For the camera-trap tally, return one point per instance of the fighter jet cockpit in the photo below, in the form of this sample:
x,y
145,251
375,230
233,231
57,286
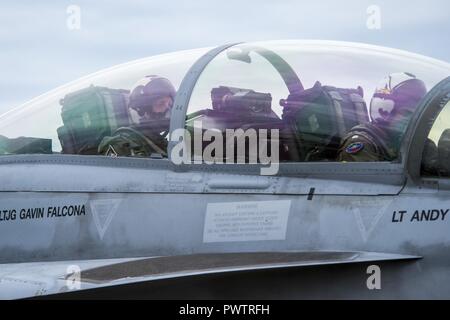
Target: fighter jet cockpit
x,y
260,89
74,118
295,159
318,96
313,93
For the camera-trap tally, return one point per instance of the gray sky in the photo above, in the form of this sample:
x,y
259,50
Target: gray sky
x,y
39,52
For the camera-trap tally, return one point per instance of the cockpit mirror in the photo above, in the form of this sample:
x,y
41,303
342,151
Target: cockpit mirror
x,y
239,54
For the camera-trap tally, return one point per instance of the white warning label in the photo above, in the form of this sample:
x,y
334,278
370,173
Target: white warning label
x,y
246,221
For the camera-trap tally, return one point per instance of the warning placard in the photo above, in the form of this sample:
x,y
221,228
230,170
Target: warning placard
x,y
246,221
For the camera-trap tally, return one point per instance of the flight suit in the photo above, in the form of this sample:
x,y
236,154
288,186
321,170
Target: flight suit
x,y
133,142
367,142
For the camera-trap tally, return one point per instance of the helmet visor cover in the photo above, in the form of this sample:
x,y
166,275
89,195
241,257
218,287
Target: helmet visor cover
x,y
398,93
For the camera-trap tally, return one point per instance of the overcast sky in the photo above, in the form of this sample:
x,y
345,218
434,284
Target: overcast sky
x,y
39,51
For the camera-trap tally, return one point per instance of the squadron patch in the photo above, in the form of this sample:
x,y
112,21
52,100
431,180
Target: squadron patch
x,y
354,147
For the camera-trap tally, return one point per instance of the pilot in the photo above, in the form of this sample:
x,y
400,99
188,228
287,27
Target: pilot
x,y
150,105
152,98
391,108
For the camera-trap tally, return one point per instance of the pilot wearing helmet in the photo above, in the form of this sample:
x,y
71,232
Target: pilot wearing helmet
x,y
391,108
150,105
152,99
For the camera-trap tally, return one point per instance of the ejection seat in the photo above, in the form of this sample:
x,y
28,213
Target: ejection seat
x,y
238,108
89,115
320,117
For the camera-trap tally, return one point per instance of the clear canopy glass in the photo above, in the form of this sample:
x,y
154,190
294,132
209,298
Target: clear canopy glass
x,y
41,117
313,91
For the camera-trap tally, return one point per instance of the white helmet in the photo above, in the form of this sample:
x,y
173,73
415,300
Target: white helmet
x,y
399,93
